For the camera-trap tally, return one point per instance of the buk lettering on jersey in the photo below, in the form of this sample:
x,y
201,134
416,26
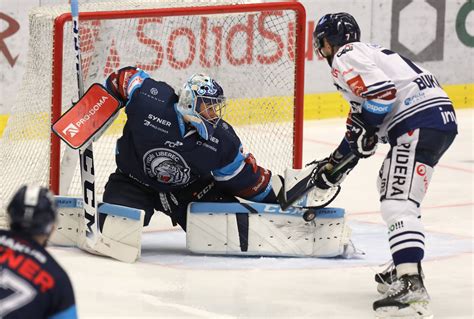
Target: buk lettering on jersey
x,y
406,95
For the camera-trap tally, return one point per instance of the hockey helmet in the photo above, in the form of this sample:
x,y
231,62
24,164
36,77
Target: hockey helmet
x,y
32,210
202,103
338,29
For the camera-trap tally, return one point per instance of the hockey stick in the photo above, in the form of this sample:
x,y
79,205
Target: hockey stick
x,y
89,225
298,186
69,159
86,157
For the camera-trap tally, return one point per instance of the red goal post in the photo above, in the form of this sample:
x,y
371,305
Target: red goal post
x,y
255,51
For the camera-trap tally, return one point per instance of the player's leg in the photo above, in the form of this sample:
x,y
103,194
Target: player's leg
x,y
403,182
122,190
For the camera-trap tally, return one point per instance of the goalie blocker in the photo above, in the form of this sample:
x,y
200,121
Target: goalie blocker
x,y
88,118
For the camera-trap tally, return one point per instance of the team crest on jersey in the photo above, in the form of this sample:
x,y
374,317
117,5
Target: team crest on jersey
x,y
166,166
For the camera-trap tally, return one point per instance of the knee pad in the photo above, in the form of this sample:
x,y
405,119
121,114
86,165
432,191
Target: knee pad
x,y
393,210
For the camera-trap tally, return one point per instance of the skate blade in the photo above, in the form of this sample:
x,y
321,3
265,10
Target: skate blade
x,y
419,310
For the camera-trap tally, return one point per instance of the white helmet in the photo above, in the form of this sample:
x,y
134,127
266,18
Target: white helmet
x,y
202,103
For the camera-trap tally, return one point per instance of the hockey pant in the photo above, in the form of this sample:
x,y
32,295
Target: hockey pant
x,y
403,181
122,190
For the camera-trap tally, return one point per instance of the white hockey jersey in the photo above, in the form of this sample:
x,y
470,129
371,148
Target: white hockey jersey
x,y
392,93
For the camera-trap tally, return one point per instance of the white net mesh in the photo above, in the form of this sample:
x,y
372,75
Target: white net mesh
x,y
251,54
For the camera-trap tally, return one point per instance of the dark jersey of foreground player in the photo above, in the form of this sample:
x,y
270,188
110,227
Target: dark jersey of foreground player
x,y
32,284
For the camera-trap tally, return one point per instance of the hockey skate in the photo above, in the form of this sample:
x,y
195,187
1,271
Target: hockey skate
x,y
385,278
406,298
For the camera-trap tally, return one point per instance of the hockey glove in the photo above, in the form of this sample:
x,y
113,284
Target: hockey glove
x,y
362,138
325,178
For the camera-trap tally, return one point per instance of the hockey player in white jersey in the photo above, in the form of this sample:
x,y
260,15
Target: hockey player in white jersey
x,y
395,101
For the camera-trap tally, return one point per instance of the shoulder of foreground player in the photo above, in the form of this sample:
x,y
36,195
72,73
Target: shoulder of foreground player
x,y
355,53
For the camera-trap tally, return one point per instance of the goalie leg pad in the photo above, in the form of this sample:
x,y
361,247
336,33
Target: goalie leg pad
x,y
123,226
120,237
67,230
257,229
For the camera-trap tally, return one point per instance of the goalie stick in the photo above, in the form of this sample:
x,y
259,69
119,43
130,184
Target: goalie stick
x,y
86,157
300,185
70,158
93,240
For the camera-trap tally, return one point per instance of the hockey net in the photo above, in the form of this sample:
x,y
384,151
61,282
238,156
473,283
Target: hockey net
x,y
255,51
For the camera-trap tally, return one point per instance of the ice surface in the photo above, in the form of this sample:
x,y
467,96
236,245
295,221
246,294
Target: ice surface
x,y
168,282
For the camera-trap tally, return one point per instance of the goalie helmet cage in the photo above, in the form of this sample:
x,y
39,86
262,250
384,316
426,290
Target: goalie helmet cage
x,y
255,51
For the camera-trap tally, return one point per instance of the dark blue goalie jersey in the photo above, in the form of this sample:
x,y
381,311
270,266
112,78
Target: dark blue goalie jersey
x,y
32,284
159,150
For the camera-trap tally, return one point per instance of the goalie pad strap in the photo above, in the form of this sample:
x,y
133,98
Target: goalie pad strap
x,y
264,230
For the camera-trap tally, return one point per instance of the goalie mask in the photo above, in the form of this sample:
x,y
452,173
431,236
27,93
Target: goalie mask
x,y
337,28
32,210
202,103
